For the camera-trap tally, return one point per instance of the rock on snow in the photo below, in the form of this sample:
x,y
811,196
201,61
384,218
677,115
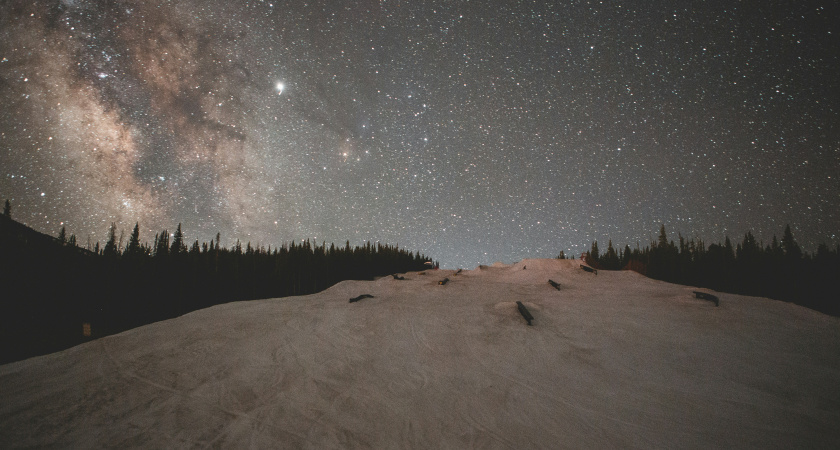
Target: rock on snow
x,y
614,360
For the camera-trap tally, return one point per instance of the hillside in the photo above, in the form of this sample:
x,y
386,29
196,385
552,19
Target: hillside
x,y
612,360
52,288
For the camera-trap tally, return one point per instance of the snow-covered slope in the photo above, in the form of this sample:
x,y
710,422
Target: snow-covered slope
x,y
612,360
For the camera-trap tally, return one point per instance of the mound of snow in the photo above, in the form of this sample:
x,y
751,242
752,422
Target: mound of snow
x,y
612,360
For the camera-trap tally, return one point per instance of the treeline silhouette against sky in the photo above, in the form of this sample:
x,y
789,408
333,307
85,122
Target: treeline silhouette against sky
x,y
55,291
779,270
57,294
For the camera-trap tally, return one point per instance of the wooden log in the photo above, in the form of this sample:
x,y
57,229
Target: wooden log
x,y
589,269
443,281
554,284
706,296
458,271
524,311
356,299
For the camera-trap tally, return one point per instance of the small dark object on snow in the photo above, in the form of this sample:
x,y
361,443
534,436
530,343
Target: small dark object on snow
x,y
708,297
443,281
524,267
589,269
554,284
524,311
458,271
397,277
356,299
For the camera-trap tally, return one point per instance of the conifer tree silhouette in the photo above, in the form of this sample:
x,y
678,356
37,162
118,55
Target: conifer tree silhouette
x,y
789,245
610,260
133,247
111,249
178,246
593,253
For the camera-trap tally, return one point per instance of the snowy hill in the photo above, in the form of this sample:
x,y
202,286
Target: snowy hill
x,y
612,360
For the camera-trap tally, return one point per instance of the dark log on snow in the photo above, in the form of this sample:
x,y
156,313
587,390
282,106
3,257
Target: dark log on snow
x,y
708,297
443,281
458,271
589,269
554,284
524,311
356,299
397,277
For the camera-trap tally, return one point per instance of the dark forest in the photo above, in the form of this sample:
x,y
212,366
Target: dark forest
x,y
56,294
779,270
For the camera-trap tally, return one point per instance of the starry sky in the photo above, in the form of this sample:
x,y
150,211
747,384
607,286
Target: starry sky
x,y
472,131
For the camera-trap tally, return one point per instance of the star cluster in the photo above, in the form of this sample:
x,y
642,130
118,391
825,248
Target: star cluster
x,y
471,131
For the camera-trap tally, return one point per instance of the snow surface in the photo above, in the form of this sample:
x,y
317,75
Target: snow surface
x,y
612,360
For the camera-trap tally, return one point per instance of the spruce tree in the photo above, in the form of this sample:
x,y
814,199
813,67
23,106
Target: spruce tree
x,y
729,252
62,236
7,209
610,260
625,256
663,238
789,245
110,249
593,253
162,244
178,245
133,247
776,250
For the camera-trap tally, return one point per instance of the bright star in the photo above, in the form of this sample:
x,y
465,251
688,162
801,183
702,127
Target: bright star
x,y
280,87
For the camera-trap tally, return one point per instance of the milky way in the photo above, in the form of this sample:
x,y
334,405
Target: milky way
x,y
470,131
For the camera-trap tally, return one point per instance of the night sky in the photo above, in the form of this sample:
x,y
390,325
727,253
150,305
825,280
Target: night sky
x,y
472,131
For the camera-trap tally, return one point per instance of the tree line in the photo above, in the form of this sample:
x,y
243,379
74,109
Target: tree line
x,y
779,270
52,286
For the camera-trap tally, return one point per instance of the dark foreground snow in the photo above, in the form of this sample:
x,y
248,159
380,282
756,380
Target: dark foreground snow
x,y
612,360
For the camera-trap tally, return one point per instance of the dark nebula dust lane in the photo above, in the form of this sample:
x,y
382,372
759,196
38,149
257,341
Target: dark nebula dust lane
x,y
471,131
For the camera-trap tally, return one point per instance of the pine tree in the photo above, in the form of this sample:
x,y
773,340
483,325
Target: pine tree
x,y
7,209
593,253
133,247
178,245
776,250
110,249
162,244
729,252
62,236
610,260
789,245
663,238
625,256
